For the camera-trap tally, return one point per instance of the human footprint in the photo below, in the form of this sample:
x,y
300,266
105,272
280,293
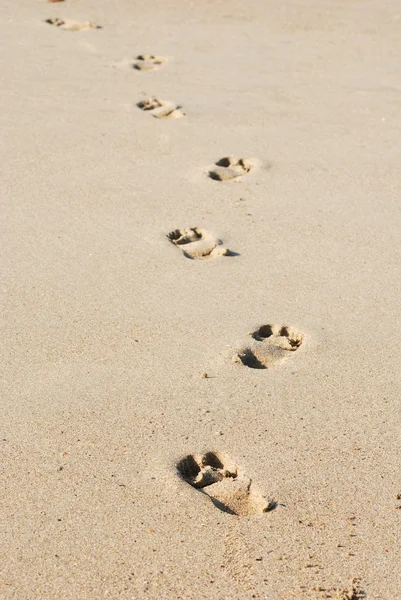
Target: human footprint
x,y
71,25
148,62
229,168
161,109
271,344
230,490
198,243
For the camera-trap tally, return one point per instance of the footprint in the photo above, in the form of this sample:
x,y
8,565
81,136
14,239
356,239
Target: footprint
x,y
229,168
198,243
70,25
218,477
271,344
161,109
148,62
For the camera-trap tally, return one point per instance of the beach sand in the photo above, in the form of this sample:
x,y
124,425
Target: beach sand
x,y
124,394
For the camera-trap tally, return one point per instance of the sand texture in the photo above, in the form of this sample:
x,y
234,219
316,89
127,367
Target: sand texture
x,y
200,357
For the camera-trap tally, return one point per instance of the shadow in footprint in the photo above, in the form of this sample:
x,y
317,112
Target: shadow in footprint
x,y
197,243
249,359
215,475
271,344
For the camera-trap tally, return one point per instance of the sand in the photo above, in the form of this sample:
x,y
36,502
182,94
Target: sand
x,y
119,347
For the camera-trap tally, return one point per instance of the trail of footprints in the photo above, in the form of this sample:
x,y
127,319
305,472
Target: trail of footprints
x,y
214,474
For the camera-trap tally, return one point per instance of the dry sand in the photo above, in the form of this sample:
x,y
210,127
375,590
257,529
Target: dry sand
x,y
117,349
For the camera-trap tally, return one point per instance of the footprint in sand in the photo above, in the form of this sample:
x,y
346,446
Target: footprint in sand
x,y
229,168
229,489
148,62
70,25
270,345
161,109
198,243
